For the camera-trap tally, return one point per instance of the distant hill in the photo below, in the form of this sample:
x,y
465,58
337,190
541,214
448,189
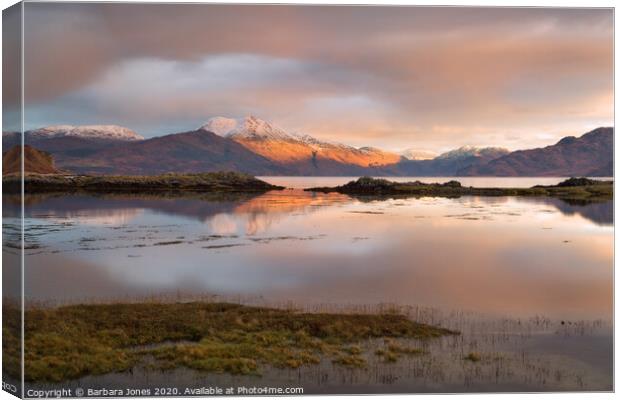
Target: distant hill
x,y
93,132
193,151
465,152
588,155
70,144
418,155
448,163
35,161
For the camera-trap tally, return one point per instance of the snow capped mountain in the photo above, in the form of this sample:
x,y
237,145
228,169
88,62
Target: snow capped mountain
x,y
472,151
307,139
418,155
250,127
274,143
221,126
101,132
258,129
370,150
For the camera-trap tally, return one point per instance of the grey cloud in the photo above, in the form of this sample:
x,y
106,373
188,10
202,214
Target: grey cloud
x,y
390,76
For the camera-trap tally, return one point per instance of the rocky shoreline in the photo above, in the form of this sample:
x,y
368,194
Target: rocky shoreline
x,y
570,189
217,182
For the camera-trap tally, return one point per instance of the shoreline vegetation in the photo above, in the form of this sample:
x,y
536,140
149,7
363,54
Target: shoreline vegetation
x,y
69,342
219,182
572,189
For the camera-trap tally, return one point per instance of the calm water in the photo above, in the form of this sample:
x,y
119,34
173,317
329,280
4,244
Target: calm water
x,y
494,268
512,256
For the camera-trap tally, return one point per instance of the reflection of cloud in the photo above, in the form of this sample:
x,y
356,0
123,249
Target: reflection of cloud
x,y
222,224
118,216
258,223
499,270
504,265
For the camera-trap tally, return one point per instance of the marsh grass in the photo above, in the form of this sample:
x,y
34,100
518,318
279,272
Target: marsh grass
x,y
392,351
73,341
473,356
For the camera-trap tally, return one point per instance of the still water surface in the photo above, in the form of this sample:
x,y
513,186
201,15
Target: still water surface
x,y
503,255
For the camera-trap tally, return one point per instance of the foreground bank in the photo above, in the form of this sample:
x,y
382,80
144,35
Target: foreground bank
x,y
74,341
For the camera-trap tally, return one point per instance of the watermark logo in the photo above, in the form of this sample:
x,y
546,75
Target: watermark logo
x,y
9,387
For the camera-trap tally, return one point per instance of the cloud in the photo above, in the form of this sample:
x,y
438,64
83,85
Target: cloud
x,y
139,91
383,76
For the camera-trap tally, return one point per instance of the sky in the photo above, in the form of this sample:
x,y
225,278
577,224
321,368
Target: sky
x,y
391,77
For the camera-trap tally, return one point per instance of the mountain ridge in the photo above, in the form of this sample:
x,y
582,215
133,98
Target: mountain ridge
x,y
258,147
588,155
102,132
191,151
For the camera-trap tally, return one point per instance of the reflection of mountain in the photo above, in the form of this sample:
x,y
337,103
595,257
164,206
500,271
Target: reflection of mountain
x,y
597,212
65,206
600,213
262,211
287,201
259,211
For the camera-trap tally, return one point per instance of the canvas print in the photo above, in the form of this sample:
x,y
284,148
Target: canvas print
x,y
221,199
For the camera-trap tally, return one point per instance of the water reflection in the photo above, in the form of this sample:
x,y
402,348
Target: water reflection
x,y
119,208
601,213
502,255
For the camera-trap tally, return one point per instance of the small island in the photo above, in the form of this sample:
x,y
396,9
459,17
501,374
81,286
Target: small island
x,y
221,182
570,189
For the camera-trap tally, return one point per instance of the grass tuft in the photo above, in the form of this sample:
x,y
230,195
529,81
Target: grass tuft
x,y
474,357
74,341
392,351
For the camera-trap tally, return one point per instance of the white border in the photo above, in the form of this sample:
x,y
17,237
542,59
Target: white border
x,y
474,3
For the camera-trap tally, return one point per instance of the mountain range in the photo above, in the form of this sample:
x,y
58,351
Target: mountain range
x,y
588,155
258,147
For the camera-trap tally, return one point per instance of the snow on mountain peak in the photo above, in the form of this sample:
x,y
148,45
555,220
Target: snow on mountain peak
x,y
256,128
250,127
418,155
274,143
221,126
103,132
307,139
469,151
